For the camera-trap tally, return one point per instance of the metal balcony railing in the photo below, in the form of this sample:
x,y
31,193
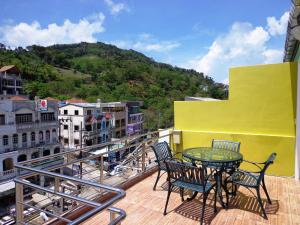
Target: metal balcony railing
x,y
92,170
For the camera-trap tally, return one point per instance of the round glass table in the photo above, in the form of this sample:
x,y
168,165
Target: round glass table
x,y
220,160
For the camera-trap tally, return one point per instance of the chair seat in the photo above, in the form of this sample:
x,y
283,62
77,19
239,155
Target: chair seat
x,y
244,178
193,187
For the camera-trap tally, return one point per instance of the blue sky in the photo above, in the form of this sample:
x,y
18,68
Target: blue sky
x,y
208,35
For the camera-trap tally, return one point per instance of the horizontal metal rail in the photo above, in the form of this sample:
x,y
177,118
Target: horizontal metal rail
x,y
98,206
93,147
143,140
92,156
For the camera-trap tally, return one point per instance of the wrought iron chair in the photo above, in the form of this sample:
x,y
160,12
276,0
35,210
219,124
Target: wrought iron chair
x,y
254,179
186,176
228,145
162,152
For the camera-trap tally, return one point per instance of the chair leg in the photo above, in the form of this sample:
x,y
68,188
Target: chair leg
x,y
215,203
158,175
168,197
266,192
203,207
181,194
261,204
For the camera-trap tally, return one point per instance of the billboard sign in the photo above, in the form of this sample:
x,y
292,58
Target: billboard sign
x,y
43,105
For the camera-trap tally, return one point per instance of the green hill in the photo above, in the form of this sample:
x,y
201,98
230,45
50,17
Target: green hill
x,y
98,70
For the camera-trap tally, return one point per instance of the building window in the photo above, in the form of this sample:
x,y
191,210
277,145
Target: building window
x,y
22,158
76,127
56,150
88,128
41,136
24,137
54,138
46,152
47,136
8,164
117,123
76,141
123,133
123,122
66,140
35,155
32,136
76,112
15,139
89,112
66,127
66,112
2,119
5,140
47,116
24,118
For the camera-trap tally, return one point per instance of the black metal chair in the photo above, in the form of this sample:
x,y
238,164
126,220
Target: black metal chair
x,y
186,176
228,145
253,179
162,152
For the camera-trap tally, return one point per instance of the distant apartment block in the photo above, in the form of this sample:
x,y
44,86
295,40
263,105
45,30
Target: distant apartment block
x,y
84,124
10,81
119,117
28,130
135,118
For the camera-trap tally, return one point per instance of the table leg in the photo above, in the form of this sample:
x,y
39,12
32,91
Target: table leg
x,y
218,177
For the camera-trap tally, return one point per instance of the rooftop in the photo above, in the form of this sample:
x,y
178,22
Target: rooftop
x,y
145,206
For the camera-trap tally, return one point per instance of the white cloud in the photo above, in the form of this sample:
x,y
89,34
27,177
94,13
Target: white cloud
x,y
243,44
278,27
147,43
272,55
116,8
24,34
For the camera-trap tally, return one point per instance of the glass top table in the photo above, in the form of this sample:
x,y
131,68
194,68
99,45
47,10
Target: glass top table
x,y
213,156
220,160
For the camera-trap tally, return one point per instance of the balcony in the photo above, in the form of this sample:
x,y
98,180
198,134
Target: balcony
x,y
36,125
142,205
145,206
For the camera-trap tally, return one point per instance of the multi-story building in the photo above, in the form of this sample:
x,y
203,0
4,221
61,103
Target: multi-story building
x,y
83,124
135,118
10,81
28,130
118,112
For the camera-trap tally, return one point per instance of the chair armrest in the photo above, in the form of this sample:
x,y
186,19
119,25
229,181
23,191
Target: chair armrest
x,y
248,172
254,163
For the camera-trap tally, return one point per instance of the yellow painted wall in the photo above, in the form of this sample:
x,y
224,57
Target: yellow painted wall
x,y
260,113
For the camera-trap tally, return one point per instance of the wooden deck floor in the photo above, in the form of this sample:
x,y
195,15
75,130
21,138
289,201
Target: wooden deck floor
x,y
145,206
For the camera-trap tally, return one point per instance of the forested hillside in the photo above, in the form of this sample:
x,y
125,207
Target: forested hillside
x,y
99,70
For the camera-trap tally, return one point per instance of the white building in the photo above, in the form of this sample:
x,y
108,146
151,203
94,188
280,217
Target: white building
x,y
27,131
83,124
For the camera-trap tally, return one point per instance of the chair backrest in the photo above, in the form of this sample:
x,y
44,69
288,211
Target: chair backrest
x,y
186,172
227,145
162,151
269,161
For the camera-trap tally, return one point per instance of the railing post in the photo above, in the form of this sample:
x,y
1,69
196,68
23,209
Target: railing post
x,y
143,157
112,216
56,188
101,169
19,205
